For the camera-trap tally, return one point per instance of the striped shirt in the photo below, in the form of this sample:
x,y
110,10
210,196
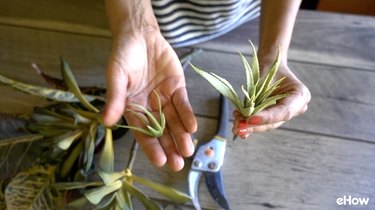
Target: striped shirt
x,y
188,22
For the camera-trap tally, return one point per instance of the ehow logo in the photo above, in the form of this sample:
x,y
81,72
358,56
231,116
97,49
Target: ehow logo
x,y
349,200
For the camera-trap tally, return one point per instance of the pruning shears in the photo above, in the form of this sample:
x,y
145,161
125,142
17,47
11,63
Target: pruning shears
x,y
208,161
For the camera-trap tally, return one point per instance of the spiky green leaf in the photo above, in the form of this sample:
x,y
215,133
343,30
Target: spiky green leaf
x,y
270,90
249,75
268,102
107,158
49,93
64,141
146,201
154,128
109,178
123,202
96,195
76,185
73,86
171,193
68,163
221,85
107,202
254,67
257,90
266,81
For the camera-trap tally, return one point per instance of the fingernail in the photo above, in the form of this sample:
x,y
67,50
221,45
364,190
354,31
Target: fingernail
x,y
255,120
242,132
242,124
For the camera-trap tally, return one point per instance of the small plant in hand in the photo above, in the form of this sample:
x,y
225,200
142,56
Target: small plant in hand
x,y
66,136
258,92
154,128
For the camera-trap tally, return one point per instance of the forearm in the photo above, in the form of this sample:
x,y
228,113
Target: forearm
x,y
130,16
276,27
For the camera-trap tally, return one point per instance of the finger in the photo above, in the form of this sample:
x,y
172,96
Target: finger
x,y
237,114
116,95
263,128
304,109
150,145
238,125
184,110
174,158
239,122
181,136
284,110
242,129
244,135
235,127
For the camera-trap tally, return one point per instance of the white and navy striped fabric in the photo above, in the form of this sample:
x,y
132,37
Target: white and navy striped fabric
x,y
188,22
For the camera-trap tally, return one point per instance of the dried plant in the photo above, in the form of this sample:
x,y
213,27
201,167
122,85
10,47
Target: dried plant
x,y
67,135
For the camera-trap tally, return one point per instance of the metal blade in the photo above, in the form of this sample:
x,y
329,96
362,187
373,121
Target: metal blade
x,y
193,183
216,188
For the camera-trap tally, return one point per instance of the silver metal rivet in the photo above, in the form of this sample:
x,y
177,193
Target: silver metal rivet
x,y
197,163
212,165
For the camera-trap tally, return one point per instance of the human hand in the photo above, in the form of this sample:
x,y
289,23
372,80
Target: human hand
x,y
274,116
138,65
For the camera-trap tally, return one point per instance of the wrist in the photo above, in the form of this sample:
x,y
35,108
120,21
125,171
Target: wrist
x,y
131,18
267,56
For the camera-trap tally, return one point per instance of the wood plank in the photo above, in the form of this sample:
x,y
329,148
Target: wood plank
x,y
324,116
52,25
342,83
55,14
284,169
22,47
361,7
319,37
342,98
336,91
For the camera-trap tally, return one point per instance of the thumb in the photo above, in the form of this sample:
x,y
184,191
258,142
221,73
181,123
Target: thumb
x,y
116,94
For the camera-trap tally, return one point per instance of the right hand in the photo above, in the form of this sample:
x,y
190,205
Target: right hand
x,y
140,63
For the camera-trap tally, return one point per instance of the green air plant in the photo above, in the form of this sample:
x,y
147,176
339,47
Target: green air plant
x,y
154,128
258,92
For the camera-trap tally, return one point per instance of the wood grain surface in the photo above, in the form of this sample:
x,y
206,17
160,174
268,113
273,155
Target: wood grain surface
x,y
318,37
281,168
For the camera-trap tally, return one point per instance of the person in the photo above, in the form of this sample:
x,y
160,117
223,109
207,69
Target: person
x,y
143,59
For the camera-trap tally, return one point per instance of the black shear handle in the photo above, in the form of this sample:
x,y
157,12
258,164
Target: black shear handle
x,y
224,117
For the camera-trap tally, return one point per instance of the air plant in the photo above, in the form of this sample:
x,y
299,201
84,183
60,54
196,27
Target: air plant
x,y
154,128
258,92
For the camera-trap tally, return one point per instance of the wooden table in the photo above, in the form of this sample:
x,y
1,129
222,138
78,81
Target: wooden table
x,y
308,163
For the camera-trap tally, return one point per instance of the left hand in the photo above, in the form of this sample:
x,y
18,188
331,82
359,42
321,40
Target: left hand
x,y
274,116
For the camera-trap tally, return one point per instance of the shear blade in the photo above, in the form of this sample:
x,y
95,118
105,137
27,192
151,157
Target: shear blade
x,y
193,182
216,188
